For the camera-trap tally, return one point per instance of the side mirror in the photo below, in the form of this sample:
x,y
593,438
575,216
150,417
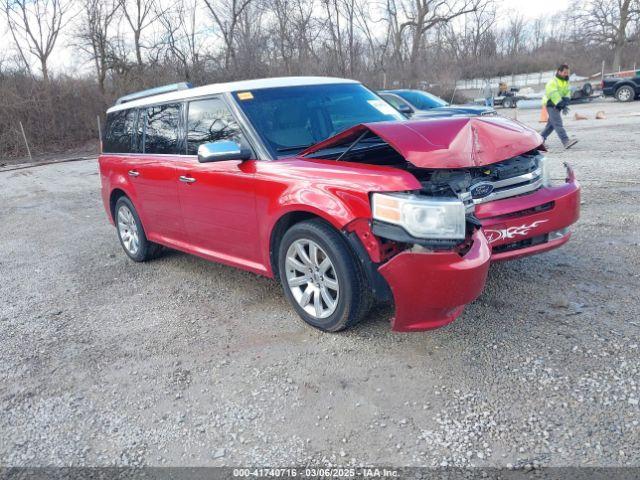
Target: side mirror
x,y
405,110
222,150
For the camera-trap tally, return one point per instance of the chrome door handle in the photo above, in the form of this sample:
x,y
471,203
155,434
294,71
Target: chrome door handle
x,y
134,173
186,179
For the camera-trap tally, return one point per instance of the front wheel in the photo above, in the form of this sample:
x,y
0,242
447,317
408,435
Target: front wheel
x,y
625,93
321,278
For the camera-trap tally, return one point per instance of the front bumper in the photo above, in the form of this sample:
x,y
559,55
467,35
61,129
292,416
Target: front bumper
x,y
533,223
431,289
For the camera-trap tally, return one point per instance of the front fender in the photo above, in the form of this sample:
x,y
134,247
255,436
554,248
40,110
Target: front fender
x,y
338,208
337,192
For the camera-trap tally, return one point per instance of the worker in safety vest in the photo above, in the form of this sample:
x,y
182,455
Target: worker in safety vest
x,y
556,99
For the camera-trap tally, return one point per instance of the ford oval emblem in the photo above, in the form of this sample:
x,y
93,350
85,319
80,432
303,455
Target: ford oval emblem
x,y
481,190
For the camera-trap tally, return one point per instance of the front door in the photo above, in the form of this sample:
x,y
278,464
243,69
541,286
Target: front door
x,y
218,198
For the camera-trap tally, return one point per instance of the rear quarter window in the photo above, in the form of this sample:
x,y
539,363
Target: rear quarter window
x,y
120,131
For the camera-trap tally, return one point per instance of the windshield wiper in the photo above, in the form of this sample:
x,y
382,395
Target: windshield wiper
x,y
296,147
360,138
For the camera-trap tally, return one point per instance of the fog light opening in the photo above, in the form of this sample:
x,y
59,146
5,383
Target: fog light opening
x,y
558,233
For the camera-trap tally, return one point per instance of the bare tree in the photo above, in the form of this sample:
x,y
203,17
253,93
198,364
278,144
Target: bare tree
x,y
294,30
283,32
340,27
251,40
515,35
35,27
608,21
418,18
377,46
139,15
539,32
226,15
180,37
472,41
93,35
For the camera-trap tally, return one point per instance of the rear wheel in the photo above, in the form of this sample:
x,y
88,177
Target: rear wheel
x,y
625,93
321,278
131,233
508,102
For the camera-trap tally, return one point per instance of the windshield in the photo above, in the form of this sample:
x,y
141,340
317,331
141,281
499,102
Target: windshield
x,y
421,100
290,119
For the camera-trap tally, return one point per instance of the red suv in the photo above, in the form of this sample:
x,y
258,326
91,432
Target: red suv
x,y
322,184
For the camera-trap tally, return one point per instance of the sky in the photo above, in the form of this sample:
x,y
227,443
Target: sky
x,y
535,8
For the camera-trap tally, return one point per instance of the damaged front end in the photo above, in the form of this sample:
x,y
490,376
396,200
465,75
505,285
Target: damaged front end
x,y
429,244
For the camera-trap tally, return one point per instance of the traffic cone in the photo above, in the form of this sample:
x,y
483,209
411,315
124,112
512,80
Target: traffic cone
x,y
544,115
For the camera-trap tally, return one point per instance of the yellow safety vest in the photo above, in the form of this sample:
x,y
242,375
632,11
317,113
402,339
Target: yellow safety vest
x,y
555,90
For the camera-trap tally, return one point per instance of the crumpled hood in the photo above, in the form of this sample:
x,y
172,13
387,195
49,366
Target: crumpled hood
x,y
456,142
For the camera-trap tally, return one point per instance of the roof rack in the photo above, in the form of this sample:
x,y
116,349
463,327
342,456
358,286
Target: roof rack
x,y
174,87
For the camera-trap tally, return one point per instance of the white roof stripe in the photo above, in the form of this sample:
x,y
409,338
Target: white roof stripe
x,y
216,88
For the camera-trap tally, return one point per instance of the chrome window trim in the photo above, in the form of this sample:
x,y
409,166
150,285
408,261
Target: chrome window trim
x,y
227,99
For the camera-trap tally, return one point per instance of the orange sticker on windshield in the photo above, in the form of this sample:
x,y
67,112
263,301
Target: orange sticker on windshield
x,y
245,96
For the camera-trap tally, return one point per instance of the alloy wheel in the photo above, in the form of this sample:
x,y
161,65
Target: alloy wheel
x,y
624,94
128,230
312,278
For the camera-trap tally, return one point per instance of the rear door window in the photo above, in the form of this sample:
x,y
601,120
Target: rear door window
x,y
208,121
120,132
162,132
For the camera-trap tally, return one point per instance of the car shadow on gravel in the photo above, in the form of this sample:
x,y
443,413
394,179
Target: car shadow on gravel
x,y
506,305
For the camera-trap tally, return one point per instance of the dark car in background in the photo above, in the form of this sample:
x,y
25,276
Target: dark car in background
x,y
417,103
623,88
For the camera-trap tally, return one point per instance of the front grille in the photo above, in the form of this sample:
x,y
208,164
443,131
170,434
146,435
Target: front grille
x,y
507,183
509,178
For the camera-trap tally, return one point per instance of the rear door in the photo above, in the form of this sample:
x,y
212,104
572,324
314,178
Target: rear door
x,y
154,173
217,199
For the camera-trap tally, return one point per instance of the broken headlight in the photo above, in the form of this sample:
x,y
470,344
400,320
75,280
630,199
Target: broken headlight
x,y
543,162
423,217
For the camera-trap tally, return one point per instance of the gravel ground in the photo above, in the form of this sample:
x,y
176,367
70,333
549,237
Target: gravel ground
x,y
184,362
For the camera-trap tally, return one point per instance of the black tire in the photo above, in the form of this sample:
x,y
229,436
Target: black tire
x,y
355,298
146,250
625,93
508,102
587,89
